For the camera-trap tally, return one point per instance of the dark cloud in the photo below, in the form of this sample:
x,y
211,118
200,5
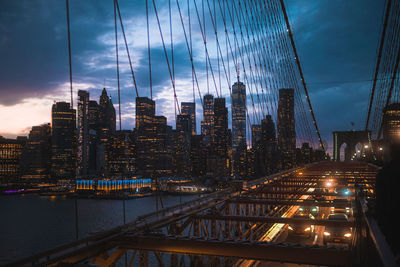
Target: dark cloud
x,y
336,41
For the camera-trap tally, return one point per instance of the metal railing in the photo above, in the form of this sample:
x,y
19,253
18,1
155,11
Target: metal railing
x,y
369,245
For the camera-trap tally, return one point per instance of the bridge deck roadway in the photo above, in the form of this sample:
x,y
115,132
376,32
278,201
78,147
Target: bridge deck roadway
x,y
228,208
282,252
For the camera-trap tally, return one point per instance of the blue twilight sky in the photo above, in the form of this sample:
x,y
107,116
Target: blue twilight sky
x,y
336,42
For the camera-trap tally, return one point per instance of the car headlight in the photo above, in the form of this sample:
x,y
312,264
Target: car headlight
x,y
347,235
307,229
290,228
327,233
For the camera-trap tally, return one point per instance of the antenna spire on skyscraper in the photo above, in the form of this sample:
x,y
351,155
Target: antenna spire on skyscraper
x,y
238,73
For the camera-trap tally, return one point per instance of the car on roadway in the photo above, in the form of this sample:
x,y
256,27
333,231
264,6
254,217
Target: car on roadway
x,y
341,205
319,194
309,206
342,191
303,228
337,234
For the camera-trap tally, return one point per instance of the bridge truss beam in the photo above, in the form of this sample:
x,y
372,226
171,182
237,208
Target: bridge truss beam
x,y
267,251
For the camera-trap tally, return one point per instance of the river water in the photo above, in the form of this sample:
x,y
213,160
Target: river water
x,y
31,223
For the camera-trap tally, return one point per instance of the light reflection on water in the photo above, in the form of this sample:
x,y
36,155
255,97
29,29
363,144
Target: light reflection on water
x,y
31,223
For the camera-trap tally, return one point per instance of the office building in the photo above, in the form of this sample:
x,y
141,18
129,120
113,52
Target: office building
x,y
121,154
83,132
286,128
10,155
63,141
239,144
220,146
269,145
207,125
36,156
189,108
106,129
256,135
145,111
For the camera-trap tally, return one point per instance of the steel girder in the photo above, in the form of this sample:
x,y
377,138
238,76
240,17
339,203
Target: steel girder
x,y
256,250
269,219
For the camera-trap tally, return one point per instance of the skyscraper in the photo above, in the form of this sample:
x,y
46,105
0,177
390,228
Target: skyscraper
x,y
107,118
162,154
36,156
256,135
220,140
145,111
10,155
63,141
121,154
145,132
181,147
207,125
83,132
106,129
286,127
189,108
152,137
93,166
269,144
239,146
184,123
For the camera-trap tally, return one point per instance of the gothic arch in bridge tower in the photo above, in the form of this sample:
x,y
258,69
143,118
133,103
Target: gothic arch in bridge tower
x,y
351,138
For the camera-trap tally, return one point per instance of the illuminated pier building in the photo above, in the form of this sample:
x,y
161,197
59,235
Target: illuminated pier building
x,y
112,185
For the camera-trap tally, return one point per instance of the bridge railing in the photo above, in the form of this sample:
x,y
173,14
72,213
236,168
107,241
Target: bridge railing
x,y
184,207
369,244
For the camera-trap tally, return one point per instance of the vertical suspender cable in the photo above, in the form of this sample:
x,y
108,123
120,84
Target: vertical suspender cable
x,y
390,91
172,50
69,53
301,74
378,62
148,50
119,92
72,106
127,49
117,59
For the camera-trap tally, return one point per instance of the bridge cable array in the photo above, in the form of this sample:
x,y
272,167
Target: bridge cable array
x,y
386,86
252,39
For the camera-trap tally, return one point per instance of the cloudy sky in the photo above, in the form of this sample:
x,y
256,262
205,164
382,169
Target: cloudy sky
x,y
336,42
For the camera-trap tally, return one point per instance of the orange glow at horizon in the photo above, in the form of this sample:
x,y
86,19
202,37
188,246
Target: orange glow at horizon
x,y
19,118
